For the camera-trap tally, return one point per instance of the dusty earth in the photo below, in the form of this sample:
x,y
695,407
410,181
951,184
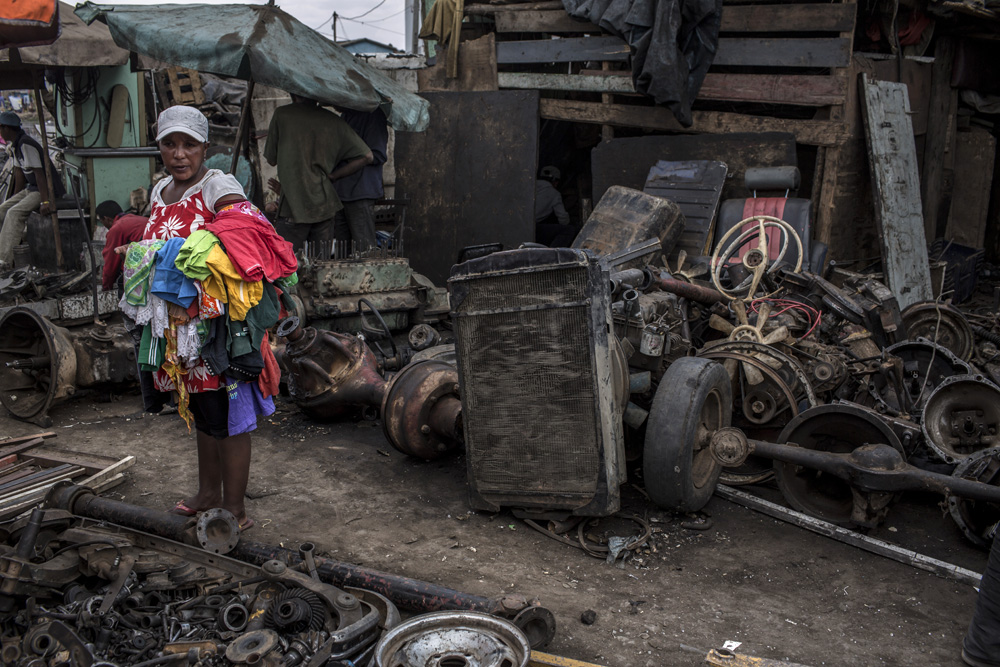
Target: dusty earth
x,y
783,592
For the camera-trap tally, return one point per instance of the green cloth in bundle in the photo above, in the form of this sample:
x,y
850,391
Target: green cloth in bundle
x,y
192,255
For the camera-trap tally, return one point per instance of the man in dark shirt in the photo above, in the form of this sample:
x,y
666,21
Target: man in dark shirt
x,y
358,191
123,228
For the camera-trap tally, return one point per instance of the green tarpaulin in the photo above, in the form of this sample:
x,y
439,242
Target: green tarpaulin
x,y
264,43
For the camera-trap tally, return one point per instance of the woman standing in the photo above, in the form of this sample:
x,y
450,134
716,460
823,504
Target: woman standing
x,y
184,203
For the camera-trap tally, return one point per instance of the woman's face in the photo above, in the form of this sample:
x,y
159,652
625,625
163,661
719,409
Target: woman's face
x,y
182,155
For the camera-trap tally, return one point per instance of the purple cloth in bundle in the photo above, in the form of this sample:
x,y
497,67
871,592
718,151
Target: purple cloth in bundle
x,y
246,403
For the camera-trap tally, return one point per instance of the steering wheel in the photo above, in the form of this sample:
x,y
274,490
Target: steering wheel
x,y
755,259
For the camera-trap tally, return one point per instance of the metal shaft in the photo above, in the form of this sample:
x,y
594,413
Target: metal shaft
x,y
689,291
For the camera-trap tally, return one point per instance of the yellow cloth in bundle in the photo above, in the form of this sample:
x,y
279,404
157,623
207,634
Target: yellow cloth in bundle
x,y
226,285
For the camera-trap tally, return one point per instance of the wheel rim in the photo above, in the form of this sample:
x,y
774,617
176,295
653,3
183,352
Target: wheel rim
x,y
710,420
827,428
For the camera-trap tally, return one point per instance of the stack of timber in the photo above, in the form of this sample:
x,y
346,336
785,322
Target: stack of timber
x,y
27,473
779,68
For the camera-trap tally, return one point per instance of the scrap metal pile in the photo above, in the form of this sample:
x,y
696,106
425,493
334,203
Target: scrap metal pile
x,y
89,581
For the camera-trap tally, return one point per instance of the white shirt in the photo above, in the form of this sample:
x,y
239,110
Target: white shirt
x,y
30,158
549,201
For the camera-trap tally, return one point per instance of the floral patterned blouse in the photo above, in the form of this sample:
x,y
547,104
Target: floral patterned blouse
x,y
180,219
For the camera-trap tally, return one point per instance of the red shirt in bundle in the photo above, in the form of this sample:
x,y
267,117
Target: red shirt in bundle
x,y
255,249
127,228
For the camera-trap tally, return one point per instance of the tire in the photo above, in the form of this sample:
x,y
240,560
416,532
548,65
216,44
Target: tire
x,y
694,399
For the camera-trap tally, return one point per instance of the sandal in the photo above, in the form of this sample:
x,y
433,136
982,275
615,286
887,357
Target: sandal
x,y
246,524
182,509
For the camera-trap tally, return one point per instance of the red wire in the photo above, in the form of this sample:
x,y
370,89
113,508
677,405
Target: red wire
x,y
812,314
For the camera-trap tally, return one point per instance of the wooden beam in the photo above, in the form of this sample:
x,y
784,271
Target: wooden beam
x,y
24,438
23,446
939,142
569,49
782,52
793,89
809,132
485,10
788,18
553,21
92,463
575,82
112,470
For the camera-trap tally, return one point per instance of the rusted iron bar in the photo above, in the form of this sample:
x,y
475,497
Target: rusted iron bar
x,y
688,290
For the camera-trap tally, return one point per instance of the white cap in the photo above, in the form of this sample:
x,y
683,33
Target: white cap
x,y
186,120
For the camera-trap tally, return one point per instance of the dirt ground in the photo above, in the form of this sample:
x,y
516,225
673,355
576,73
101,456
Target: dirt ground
x,y
783,592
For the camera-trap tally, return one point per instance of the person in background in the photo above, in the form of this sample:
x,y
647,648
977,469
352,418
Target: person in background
x,y
358,191
31,186
122,229
552,226
981,647
313,148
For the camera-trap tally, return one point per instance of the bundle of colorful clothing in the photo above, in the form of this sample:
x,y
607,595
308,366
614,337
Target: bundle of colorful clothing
x,y
205,304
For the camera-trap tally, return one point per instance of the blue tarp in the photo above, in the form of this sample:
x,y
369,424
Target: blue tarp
x,y
262,42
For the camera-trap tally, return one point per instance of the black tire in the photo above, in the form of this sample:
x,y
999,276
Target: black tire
x,y
694,399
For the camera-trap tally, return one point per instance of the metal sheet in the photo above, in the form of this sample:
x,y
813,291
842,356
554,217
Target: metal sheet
x,y
470,177
696,187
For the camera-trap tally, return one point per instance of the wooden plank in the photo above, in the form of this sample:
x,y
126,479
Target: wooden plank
x,y
92,463
788,18
783,52
850,537
892,155
793,89
42,487
485,10
567,49
575,82
939,144
975,152
22,447
23,438
539,659
477,68
553,21
809,132
114,469
109,483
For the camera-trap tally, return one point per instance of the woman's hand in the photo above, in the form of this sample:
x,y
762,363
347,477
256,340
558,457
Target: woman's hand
x,y
121,250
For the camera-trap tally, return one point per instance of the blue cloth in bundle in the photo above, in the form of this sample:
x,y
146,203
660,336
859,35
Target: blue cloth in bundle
x,y
169,283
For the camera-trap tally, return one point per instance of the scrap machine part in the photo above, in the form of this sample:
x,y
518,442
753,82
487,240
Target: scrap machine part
x,y
458,639
217,531
330,373
42,364
977,519
962,416
692,402
925,365
839,429
407,593
785,385
940,323
422,410
423,336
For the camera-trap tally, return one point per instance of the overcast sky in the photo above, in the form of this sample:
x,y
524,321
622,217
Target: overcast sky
x,y
384,23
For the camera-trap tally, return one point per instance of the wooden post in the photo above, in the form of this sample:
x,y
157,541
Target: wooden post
x,y
939,146
48,175
242,127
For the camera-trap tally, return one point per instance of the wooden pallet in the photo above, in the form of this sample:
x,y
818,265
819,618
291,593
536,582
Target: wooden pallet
x,y
183,86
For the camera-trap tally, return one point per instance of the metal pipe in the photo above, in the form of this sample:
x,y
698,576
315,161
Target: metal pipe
x,y
46,163
407,593
22,554
877,468
688,290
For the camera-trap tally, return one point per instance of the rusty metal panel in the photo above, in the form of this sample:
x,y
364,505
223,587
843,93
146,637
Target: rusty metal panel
x,y
625,217
470,177
696,187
